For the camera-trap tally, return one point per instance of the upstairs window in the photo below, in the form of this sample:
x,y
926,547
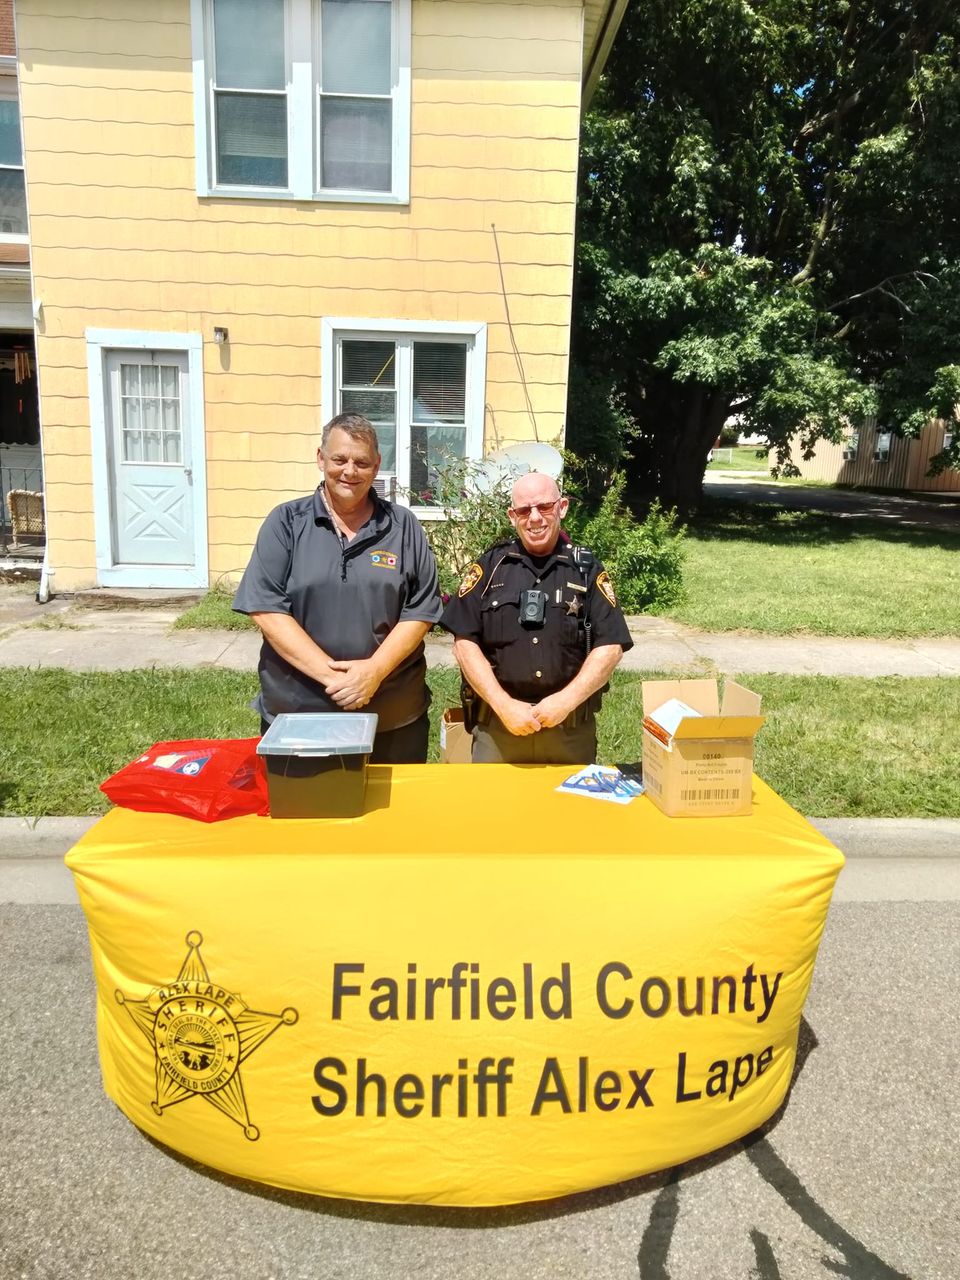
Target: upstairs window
x,y
303,99
13,196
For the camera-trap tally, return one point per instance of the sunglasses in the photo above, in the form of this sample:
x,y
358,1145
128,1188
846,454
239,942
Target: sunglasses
x,y
545,509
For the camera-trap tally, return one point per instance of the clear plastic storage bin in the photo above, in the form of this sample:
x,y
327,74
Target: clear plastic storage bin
x,y
317,763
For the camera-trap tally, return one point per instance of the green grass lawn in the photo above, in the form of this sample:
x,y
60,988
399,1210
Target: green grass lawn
x,y
214,612
831,747
742,457
759,568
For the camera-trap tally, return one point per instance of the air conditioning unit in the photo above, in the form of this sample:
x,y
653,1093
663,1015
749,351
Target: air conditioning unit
x,y
386,487
882,451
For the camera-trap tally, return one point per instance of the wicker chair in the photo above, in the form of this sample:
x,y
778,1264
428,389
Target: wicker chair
x,y
26,513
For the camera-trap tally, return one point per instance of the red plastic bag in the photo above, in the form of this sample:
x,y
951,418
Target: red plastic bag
x,y
205,778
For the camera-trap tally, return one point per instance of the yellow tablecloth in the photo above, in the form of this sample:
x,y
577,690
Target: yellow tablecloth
x,y
480,992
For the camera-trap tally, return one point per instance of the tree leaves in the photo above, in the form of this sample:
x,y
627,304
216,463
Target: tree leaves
x,y
769,217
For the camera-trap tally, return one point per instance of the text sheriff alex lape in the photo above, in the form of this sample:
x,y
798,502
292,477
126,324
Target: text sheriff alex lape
x,y
483,1086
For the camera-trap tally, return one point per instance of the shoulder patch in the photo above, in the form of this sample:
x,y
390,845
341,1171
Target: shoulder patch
x,y
606,587
470,580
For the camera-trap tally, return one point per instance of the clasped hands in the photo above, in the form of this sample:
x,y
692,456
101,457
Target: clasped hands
x,y
351,683
523,719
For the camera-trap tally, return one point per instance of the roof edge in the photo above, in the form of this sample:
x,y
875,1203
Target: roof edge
x,y
609,26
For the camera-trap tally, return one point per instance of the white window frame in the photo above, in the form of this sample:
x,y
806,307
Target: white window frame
x,y
302,90
334,329
10,92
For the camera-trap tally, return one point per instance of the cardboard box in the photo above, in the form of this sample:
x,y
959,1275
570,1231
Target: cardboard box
x,y
704,767
455,743
317,763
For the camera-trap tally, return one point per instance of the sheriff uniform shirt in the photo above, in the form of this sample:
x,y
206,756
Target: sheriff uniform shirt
x,y
532,662
347,596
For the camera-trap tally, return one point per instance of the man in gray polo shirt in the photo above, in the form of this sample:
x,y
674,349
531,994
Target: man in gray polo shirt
x,y
343,587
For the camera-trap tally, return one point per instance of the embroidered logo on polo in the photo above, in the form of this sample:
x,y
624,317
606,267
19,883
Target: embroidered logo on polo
x,y
606,587
200,1034
470,580
383,559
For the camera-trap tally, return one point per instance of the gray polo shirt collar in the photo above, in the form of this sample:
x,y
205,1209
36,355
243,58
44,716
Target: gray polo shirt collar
x,y
378,520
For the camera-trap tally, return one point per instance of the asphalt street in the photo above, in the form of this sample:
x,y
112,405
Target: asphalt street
x,y
855,1177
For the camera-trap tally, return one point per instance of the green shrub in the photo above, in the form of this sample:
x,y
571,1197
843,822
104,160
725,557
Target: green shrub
x,y
730,436
644,558
475,518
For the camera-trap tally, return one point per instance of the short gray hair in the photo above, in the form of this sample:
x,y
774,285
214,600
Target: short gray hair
x,y
356,426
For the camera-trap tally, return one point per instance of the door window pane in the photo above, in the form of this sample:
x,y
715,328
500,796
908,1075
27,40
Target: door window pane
x,y
170,381
132,446
249,44
130,380
356,143
150,418
252,139
355,40
149,380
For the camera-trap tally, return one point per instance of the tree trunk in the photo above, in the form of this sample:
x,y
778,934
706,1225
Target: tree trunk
x,y
679,425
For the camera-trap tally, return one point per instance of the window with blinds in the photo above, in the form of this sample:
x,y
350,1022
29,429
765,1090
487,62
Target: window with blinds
x,y
415,392
250,92
307,99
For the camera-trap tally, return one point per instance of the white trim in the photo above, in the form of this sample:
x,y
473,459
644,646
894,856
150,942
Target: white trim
x,y
100,342
401,102
455,328
200,91
476,374
302,125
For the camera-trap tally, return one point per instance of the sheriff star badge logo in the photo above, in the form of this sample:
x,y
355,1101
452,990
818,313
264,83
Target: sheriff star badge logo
x,y
200,1034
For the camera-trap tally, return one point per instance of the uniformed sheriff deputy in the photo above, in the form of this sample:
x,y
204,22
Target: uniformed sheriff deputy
x,y
537,634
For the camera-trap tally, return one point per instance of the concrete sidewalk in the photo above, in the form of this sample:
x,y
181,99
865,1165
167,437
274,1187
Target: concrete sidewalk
x,y
82,639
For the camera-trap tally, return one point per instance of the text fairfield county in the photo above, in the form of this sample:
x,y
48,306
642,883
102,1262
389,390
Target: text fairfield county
x,y
465,993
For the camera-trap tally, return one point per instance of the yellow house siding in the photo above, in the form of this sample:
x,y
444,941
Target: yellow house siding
x,y
121,240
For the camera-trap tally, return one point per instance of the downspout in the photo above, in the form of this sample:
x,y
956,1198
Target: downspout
x,y
46,573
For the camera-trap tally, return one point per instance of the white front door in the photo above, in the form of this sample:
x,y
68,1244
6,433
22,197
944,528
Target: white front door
x,y
150,452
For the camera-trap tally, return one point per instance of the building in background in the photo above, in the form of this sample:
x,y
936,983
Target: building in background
x,y
881,460
248,215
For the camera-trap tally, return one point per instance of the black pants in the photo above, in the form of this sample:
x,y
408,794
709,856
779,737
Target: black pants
x,y
406,745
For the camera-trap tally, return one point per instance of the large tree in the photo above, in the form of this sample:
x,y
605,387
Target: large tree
x,y
769,225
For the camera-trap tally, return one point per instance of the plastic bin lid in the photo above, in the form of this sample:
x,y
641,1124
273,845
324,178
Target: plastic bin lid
x,y
319,733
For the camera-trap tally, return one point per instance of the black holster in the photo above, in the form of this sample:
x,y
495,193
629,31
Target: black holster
x,y
471,705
